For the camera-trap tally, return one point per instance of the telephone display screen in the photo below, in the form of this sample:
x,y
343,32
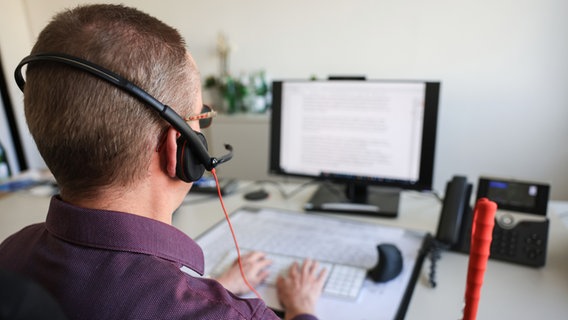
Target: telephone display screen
x,y
513,195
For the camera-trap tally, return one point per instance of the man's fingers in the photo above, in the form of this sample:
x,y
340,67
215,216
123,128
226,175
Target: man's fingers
x,y
255,260
321,275
294,271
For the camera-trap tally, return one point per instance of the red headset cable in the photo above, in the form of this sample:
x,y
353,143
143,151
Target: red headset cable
x,y
239,260
481,236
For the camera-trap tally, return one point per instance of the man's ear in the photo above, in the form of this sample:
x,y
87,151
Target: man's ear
x,y
171,151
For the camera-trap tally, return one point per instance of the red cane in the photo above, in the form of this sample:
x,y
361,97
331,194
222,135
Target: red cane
x,y
481,236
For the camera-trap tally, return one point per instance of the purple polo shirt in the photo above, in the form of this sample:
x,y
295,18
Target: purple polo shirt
x,y
111,265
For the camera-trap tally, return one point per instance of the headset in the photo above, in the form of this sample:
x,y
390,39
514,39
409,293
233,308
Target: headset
x,y
192,154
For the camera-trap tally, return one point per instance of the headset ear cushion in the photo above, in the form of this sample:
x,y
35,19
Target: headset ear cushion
x,y
189,168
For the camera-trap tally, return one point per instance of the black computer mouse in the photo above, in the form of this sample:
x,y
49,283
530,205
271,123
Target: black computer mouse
x,y
259,194
389,265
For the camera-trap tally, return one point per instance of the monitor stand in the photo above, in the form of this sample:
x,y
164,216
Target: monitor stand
x,y
356,199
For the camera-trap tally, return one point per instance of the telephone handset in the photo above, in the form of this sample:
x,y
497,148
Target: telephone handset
x,y
451,226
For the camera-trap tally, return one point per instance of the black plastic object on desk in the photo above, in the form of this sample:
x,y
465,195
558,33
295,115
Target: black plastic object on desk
x,y
389,265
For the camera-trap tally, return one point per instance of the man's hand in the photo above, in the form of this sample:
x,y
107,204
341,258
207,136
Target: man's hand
x,y
254,267
301,289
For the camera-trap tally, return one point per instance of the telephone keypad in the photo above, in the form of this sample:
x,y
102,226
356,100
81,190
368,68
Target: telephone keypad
x,y
505,242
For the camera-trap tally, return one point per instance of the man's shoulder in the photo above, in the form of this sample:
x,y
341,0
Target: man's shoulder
x,y
15,249
23,237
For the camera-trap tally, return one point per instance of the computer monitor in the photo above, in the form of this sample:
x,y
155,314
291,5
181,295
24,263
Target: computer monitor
x,y
374,137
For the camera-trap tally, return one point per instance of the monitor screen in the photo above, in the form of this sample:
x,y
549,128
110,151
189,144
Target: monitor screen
x,y
371,132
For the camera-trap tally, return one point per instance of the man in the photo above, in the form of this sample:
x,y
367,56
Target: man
x,y
107,249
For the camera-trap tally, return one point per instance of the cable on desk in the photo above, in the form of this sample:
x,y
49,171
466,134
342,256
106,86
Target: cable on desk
x,y
287,195
437,195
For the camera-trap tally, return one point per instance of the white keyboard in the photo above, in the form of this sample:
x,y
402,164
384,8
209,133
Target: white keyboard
x,y
342,281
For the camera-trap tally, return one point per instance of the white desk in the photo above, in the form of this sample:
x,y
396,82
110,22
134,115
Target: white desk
x,y
509,292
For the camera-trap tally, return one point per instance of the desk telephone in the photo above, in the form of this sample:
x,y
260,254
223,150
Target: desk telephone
x,y
520,234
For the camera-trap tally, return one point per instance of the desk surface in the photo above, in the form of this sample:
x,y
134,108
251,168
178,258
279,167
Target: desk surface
x,y
509,292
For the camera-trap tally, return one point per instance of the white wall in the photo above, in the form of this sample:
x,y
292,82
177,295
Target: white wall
x,y
502,63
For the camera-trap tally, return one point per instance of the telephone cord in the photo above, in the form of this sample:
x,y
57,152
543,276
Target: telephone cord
x,y
434,250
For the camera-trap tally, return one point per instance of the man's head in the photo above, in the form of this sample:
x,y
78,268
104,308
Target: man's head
x,y
91,134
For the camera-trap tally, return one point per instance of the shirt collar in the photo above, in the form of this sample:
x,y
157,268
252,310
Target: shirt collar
x,y
121,231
